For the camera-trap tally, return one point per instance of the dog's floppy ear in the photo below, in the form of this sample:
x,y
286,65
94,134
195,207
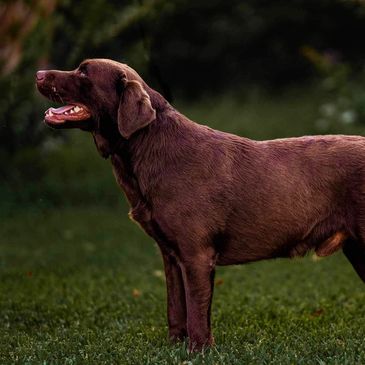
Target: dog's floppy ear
x,y
135,110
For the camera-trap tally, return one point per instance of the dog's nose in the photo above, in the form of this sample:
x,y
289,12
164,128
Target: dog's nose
x,y
40,76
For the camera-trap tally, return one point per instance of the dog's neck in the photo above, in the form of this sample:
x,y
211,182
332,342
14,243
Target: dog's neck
x,y
158,102
141,162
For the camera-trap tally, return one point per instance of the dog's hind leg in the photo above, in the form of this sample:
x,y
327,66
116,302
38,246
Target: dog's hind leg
x,y
355,252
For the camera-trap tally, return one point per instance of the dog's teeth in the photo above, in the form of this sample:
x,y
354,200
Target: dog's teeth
x,y
72,111
50,113
77,109
66,113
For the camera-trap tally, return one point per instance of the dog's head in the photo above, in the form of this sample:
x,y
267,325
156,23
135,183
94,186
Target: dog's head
x,y
99,96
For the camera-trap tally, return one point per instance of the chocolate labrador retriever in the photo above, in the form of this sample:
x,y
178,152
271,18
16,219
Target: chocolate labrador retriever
x,y
211,198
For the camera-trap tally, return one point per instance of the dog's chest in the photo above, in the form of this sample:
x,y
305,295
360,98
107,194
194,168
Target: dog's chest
x,y
126,180
140,211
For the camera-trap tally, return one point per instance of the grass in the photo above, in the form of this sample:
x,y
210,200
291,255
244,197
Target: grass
x,y
81,284
85,285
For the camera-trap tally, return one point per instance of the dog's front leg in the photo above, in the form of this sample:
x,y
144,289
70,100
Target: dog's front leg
x,y
198,275
176,305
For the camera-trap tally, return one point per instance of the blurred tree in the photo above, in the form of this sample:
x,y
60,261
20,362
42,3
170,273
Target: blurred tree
x,y
23,40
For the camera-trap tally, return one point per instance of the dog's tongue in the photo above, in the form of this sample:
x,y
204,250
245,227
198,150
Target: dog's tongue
x,y
62,109
66,113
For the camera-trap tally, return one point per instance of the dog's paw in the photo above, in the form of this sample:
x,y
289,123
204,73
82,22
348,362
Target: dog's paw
x,y
178,335
198,346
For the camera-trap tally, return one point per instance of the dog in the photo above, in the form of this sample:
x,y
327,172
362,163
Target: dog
x,y
212,198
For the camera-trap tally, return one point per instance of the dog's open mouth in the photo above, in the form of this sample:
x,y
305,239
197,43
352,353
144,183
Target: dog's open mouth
x,y
66,115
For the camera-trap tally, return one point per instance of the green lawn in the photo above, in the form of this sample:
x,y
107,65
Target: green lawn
x,y
80,283
84,285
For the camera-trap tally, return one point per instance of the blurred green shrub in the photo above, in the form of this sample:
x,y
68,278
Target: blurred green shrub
x,y
343,92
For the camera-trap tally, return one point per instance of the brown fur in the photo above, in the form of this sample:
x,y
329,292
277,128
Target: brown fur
x,y
211,198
